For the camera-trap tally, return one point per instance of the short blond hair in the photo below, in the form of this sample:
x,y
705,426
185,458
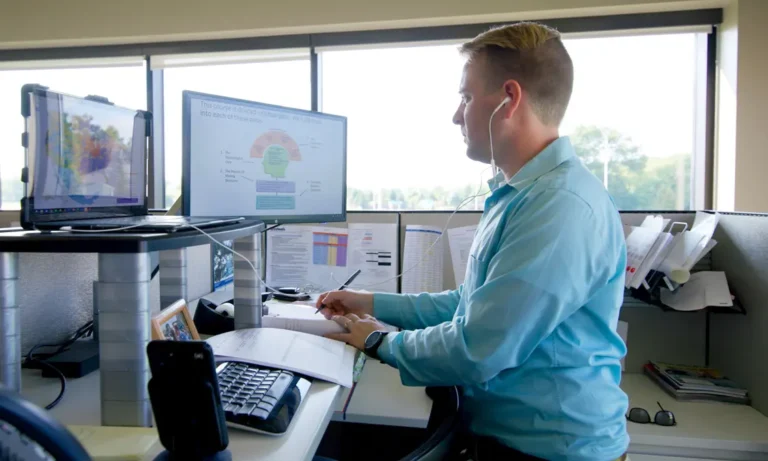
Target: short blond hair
x,y
534,55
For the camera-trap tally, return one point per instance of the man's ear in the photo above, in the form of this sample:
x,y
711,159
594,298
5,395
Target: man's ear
x,y
514,92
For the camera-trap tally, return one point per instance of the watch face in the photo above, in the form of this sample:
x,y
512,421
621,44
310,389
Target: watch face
x,y
370,341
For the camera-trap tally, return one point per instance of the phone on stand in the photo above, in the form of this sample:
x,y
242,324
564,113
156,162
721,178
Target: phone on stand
x,y
185,399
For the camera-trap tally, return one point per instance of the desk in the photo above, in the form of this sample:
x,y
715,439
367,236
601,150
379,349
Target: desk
x,y
80,405
124,301
704,429
380,398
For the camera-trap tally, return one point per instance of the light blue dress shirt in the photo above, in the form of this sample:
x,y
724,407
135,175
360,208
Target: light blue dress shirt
x,y
530,336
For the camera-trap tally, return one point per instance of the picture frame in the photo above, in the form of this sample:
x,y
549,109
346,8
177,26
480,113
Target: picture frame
x,y
175,323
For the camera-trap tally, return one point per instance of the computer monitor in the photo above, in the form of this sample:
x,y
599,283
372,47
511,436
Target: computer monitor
x,y
261,161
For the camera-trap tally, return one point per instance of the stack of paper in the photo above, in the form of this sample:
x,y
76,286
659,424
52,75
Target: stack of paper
x,y
312,355
704,289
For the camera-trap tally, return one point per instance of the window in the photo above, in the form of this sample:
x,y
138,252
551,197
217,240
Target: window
x,y
632,116
632,119
122,81
283,82
404,152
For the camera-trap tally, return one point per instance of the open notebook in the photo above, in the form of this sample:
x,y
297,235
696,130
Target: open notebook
x,y
300,317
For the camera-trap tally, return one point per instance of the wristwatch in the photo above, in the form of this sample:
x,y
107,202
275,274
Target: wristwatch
x,y
372,343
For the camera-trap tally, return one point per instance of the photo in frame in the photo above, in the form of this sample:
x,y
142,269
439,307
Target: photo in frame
x,y
175,323
222,265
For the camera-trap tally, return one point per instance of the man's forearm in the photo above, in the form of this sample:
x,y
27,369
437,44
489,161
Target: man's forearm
x,y
412,312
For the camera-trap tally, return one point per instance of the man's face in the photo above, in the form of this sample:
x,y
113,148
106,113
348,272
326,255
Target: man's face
x,y
474,111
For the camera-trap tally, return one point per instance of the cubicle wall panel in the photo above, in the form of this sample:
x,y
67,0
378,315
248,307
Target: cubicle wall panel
x,y
739,343
55,295
676,337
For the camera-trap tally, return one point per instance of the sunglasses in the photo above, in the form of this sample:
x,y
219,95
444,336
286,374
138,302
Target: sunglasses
x,y
662,418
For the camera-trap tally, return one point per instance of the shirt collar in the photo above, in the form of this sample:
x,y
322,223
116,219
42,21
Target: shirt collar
x,y
557,152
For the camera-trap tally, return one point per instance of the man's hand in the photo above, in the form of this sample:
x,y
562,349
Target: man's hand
x,y
345,302
359,329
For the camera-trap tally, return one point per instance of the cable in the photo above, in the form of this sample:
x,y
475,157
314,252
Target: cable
x,y
83,331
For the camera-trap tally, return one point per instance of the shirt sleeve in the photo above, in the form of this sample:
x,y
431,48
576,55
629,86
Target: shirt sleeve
x,y
412,312
549,261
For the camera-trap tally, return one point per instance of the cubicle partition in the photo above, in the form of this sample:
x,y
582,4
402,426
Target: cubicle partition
x,y
56,296
739,342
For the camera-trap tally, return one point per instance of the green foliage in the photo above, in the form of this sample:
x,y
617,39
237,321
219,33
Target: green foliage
x,y
635,182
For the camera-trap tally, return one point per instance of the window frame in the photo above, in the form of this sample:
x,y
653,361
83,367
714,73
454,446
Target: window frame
x,y
608,24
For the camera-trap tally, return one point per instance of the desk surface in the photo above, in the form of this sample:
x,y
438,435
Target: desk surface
x,y
80,405
700,425
119,242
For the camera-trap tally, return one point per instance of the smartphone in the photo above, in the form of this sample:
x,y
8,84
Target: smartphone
x,y
185,399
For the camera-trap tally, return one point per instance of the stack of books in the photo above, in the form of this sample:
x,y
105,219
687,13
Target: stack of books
x,y
695,383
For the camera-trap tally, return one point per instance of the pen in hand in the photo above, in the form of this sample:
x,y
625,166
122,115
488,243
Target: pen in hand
x,y
343,286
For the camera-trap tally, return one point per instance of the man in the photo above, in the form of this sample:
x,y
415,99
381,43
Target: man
x,y
530,336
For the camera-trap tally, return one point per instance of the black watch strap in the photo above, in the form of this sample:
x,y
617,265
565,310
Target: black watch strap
x,y
373,349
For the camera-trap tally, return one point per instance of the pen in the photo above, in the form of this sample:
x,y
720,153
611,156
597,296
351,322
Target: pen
x,y
345,285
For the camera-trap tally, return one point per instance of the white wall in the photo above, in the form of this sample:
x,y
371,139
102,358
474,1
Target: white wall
x,y
47,23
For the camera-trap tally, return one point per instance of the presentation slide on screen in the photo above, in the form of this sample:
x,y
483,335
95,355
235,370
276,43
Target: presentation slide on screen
x,y
252,161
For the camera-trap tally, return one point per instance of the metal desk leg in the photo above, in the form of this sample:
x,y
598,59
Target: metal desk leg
x,y
247,285
10,323
123,296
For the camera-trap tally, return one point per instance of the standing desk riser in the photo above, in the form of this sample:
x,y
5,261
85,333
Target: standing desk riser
x,y
124,301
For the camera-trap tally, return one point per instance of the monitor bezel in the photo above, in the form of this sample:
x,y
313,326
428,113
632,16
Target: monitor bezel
x,y
186,203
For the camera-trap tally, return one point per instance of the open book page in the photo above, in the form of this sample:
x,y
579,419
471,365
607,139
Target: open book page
x,y
300,317
312,355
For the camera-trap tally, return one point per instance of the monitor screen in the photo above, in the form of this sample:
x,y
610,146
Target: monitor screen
x,y
84,155
255,160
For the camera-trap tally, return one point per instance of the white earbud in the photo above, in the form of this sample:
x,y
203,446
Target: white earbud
x,y
506,100
490,133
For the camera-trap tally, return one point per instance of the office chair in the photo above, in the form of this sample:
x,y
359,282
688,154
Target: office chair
x,y
447,417
28,433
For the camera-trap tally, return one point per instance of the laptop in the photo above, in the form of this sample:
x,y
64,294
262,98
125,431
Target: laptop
x,y
86,166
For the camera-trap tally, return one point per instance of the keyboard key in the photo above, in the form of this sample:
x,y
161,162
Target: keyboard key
x,y
259,413
231,408
280,386
246,409
254,400
265,406
270,400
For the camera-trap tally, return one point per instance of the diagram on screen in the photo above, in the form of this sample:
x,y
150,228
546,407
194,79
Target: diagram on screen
x,y
329,249
278,150
91,160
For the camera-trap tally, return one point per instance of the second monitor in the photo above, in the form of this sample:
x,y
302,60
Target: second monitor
x,y
273,163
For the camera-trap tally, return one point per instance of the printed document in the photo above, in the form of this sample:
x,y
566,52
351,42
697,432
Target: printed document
x,y
374,249
460,242
704,289
422,260
312,355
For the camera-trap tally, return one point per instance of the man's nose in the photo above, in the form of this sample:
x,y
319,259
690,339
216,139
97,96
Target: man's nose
x,y
458,116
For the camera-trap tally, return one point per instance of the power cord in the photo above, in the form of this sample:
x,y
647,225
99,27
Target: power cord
x,y
83,331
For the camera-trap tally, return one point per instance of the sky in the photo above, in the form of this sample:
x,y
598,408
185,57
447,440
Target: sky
x,y
399,102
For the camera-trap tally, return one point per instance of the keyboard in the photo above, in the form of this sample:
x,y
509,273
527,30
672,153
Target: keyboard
x,y
259,399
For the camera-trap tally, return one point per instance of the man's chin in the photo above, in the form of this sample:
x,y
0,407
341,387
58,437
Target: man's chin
x,y
477,156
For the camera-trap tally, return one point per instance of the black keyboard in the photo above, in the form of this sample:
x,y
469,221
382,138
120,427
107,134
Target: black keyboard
x,y
258,398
